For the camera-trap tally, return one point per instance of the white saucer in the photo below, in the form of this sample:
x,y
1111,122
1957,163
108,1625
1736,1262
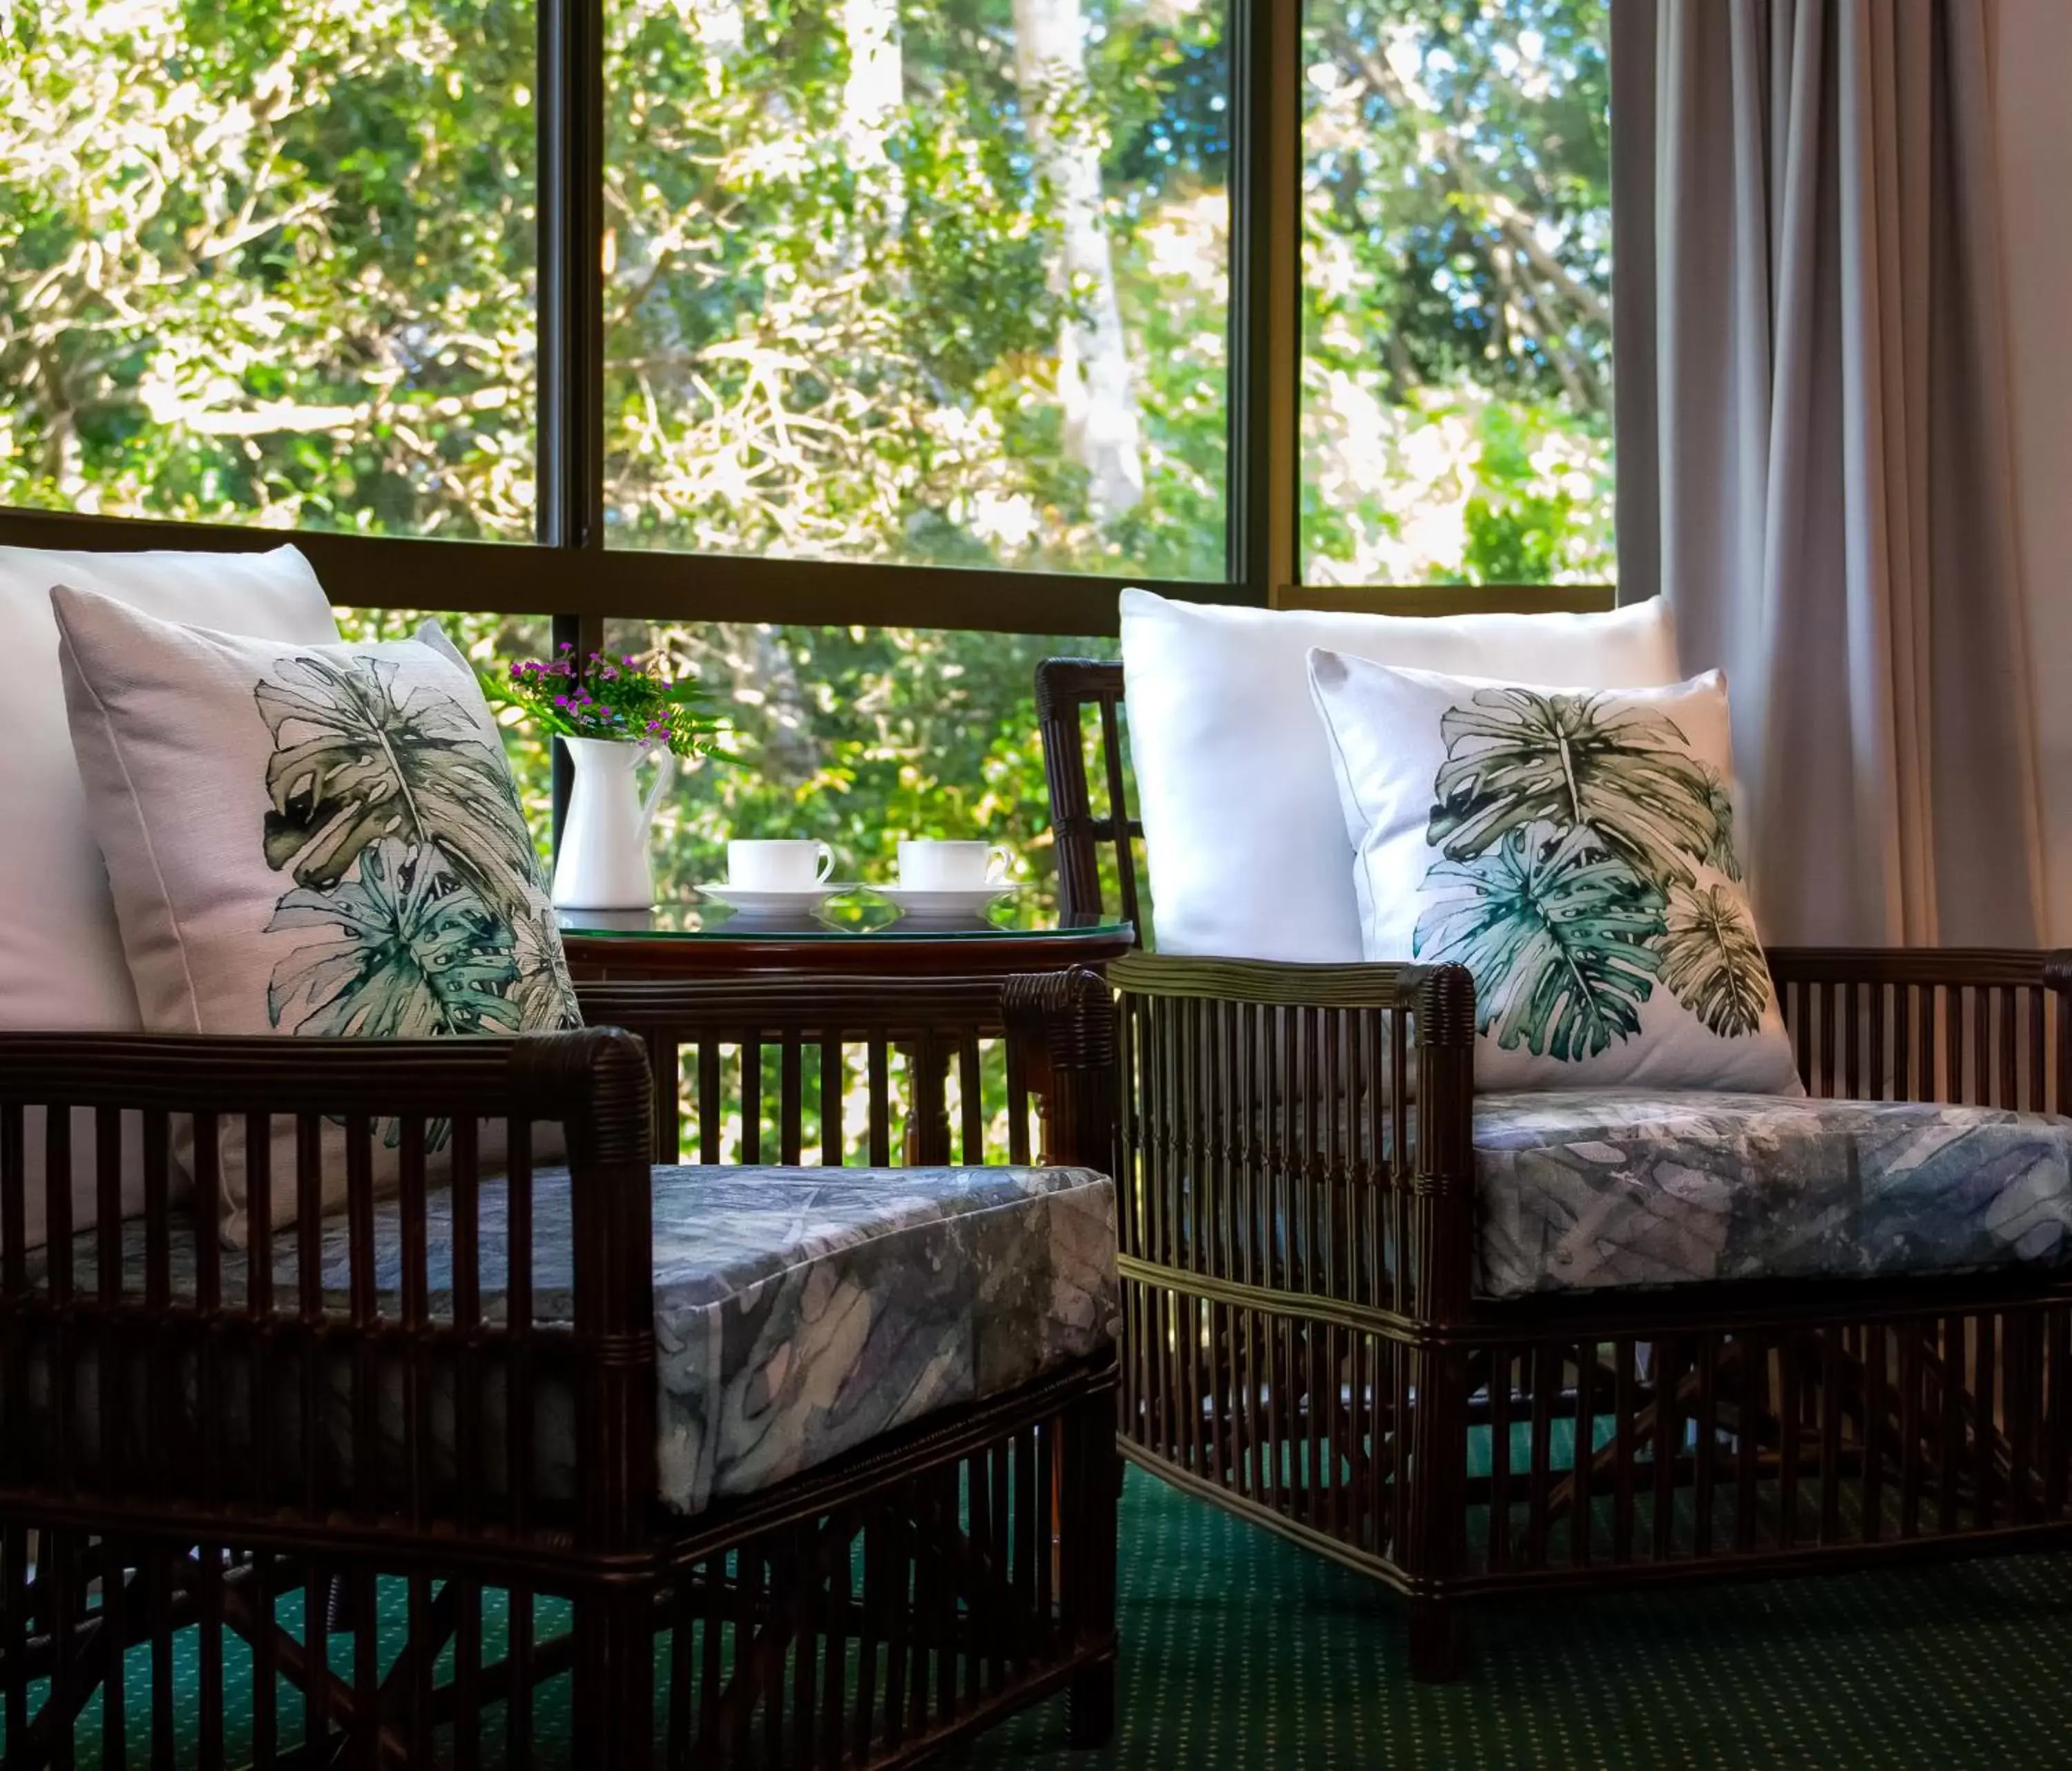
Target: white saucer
x,y
974,901
745,900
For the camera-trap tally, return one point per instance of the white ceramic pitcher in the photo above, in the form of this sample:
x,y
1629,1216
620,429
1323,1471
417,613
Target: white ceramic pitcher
x,y
603,863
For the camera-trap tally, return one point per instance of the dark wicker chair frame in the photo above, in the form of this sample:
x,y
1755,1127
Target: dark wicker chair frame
x,y
1302,1344
865,1614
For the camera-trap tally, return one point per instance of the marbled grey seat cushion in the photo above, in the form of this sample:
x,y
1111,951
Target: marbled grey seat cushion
x,y
1636,1187
799,1312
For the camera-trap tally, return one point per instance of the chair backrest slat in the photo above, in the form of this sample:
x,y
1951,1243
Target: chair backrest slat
x,y
1066,689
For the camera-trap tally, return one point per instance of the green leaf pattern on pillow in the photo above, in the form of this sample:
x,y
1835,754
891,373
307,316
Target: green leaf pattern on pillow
x,y
1713,962
1561,933
1516,758
1722,855
409,955
398,822
1575,835
352,764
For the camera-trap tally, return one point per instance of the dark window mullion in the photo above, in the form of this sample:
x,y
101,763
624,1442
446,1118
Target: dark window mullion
x,y
570,430
1265,294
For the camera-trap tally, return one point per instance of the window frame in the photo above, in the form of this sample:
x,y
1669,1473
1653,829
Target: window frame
x,y
567,570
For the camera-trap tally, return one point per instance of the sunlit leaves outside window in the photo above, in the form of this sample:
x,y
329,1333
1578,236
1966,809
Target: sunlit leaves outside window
x,y
269,261
1457,279
941,281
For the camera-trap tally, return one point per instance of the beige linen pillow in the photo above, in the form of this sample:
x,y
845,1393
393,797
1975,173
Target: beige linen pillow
x,y
316,840
1574,849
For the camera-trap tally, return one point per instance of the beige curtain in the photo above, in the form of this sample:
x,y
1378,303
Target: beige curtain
x,y
1814,447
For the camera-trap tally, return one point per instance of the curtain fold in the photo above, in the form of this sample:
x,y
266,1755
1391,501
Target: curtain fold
x,y
1814,412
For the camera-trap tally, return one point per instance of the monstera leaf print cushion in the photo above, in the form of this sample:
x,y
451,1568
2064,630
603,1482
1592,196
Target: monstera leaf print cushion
x,y
306,840
1574,849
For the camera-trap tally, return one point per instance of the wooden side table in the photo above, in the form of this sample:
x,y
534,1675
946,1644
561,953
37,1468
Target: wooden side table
x,y
693,984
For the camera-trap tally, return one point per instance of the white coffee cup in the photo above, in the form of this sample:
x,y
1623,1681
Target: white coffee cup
x,y
928,865
778,864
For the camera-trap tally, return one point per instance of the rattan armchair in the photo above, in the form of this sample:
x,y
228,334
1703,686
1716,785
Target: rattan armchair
x,y
1303,1341
211,1451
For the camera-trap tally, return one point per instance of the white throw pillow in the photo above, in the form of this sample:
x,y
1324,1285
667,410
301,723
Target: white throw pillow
x,y
312,839
1574,849
1243,836
61,965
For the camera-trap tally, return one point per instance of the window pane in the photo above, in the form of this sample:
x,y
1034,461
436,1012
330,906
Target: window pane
x,y
1456,269
269,262
859,736
931,281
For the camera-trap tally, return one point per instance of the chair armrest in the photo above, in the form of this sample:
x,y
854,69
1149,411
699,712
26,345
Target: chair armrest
x,y
1984,1026
593,1082
1061,1036
1323,1096
1269,982
574,1077
1949,967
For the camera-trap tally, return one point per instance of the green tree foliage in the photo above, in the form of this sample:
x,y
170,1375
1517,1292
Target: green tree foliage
x,y
272,261
1456,416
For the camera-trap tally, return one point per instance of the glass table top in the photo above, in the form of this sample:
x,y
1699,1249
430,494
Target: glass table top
x,y
844,917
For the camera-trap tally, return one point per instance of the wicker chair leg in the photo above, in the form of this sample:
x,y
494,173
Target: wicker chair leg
x,y
615,1678
1438,1640
1090,1707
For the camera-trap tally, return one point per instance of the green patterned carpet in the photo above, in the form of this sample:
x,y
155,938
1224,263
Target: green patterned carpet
x,y
1242,1652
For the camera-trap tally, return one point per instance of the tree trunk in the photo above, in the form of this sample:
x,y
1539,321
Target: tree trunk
x,y
871,97
1094,381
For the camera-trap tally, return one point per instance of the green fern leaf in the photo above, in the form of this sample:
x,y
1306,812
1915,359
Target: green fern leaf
x,y
1517,757
1712,963
1557,935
